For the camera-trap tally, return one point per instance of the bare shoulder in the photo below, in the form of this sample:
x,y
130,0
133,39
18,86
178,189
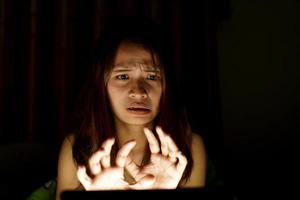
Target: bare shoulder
x,y
66,148
70,139
66,177
197,178
197,142
198,150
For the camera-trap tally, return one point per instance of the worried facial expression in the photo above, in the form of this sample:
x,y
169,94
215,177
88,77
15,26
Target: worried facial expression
x,y
134,86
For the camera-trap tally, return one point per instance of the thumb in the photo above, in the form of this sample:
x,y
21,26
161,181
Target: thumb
x,y
144,183
132,168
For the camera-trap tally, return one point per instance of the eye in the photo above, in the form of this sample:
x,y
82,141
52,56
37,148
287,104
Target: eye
x,y
153,77
122,77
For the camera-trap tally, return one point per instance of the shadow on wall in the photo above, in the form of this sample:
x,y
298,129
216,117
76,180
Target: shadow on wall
x,y
25,167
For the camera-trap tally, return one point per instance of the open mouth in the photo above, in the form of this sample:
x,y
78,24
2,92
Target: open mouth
x,y
138,110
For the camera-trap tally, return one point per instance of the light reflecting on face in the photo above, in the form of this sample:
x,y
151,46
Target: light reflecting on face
x,y
134,85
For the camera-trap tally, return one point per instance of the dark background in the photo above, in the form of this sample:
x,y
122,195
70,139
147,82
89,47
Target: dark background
x,y
236,62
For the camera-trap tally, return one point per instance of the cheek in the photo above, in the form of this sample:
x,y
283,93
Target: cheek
x,y
156,95
115,93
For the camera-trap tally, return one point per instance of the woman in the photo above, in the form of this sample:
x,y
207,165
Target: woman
x,y
132,132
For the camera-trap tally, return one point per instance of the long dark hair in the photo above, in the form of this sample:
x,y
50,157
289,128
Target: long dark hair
x,y
94,119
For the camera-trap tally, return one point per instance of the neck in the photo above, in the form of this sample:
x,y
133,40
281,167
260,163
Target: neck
x,y
127,132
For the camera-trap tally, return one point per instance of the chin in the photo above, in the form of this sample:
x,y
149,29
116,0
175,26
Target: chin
x,y
138,120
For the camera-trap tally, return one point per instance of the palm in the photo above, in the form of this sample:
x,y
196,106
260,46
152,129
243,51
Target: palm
x,y
167,167
164,171
109,178
105,177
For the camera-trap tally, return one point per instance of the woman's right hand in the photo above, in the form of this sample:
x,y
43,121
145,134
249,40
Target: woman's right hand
x,y
106,177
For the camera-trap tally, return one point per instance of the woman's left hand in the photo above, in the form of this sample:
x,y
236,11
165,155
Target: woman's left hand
x,y
167,163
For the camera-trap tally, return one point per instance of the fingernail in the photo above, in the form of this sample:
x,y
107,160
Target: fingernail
x,y
158,128
146,130
133,142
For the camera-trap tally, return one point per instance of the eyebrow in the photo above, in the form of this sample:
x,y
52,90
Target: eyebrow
x,y
126,68
120,69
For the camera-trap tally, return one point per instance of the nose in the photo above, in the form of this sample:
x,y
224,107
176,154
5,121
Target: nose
x,y
138,91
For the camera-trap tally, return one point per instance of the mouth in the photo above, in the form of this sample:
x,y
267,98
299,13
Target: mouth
x,y
138,110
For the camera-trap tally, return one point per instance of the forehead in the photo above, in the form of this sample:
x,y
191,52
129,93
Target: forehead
x,y
131,54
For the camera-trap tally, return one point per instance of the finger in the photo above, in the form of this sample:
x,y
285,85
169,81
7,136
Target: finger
x,y
137,173
94,161
105,162
156,158
131,167
107,145
182,162
163,142
173,160
123,153
153,144
82,176
171,145
145,183
173,149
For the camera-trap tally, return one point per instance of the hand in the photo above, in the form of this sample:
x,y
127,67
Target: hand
x,y
167,167
106,177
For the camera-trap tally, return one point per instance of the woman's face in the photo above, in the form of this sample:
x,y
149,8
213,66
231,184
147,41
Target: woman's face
x,y
134,86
